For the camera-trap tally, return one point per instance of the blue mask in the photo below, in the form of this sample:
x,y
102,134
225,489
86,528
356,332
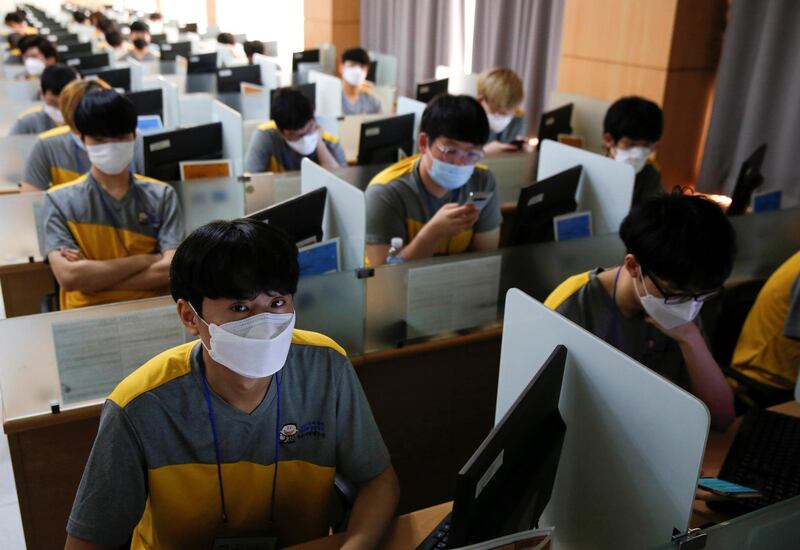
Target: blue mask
x,y
450,176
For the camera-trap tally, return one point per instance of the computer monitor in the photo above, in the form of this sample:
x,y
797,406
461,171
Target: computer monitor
x,y
170,51
74,47
430,89
539,203
203,63
749,180
116,78
299,217
229,80
371,70
506,484
83,62
63,36
555,122
306,56
164,151
158,38
189,27
380,140
308,90
148,102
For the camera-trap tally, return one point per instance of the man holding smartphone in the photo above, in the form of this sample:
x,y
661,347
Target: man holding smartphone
x,y
440,201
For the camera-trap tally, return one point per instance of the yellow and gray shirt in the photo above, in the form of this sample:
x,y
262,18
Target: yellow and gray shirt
x,y
769,345
32,121
365,104
83,216
153,472
58,157
269,152
398,205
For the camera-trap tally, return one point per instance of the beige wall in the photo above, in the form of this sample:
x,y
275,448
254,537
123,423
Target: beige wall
x,y
333,21
664,50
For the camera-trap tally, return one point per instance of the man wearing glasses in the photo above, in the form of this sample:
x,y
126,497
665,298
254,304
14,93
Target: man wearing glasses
x,y
679,251
440,201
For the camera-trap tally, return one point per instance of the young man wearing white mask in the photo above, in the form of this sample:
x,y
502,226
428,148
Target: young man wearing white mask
x,y
500,93
48,115
37,53
356,96
428,199
631,130
238,434
110,235
281,144
680,249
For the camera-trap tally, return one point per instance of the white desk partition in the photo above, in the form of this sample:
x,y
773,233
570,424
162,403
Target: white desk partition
x,y
18,227
14,153
327,57
387,95
328,93
607,187
249,128
137,73
194,109
407,105
350,133
269,71
264,189
458,82
634,442
345,212
330,124
255,106
169,96
21,90
232,134
512,172
587,117
386,69
211,199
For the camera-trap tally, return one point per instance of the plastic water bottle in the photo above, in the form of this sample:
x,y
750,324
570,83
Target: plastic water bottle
x,y
395,247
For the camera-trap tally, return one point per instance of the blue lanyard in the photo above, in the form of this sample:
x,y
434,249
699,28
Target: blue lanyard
x,y
615,323
218,453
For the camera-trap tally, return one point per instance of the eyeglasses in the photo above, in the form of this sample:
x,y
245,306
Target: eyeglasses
x,y
453,155
670,298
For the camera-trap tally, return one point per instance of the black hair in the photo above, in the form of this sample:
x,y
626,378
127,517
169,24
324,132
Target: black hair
x,y
635,118
291,110
79,17
105,113
14,17
14,39
114,38
140,26
56,76
106,25
226,38
356,55
252,47
155,16
458,117
685,240
40,42
235,259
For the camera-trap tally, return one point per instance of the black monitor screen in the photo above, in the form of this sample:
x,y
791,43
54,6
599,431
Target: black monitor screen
x,y
82,62
170,51
380,140
148,102
158,38
63,36
307,56
164,151
539,203
308,90
747,182
203,63
189,27
373,68
428,90
116,78
506,484
74,47
229,80
555,122
299,217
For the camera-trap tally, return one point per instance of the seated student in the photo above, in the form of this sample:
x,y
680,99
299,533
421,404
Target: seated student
x,y
228,51
252,47
768,350
680,249
500,93
59,156
200,435
631,130
424,198
117,44
110,235
16,23
280,145
48,115
356,96
37,53
140,38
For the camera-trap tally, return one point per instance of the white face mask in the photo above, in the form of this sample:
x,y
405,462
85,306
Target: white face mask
x,y
354,75
54,113
306,144
498,123
254,347
669,316
34,66
635,156
111,158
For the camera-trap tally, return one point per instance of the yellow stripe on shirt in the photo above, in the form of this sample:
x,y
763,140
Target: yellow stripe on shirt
x,y
566,289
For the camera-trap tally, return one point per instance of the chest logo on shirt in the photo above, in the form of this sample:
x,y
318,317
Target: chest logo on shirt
x,y
291,432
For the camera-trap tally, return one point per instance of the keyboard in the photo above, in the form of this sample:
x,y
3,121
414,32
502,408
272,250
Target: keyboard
x,y
765,455
438,538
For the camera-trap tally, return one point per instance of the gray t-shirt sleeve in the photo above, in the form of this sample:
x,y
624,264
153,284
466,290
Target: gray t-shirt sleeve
x,y
373,104
791,327
37,169
491,217
385,215
54,225
360,451
337,152
172,232
113,490
22,126
258,152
